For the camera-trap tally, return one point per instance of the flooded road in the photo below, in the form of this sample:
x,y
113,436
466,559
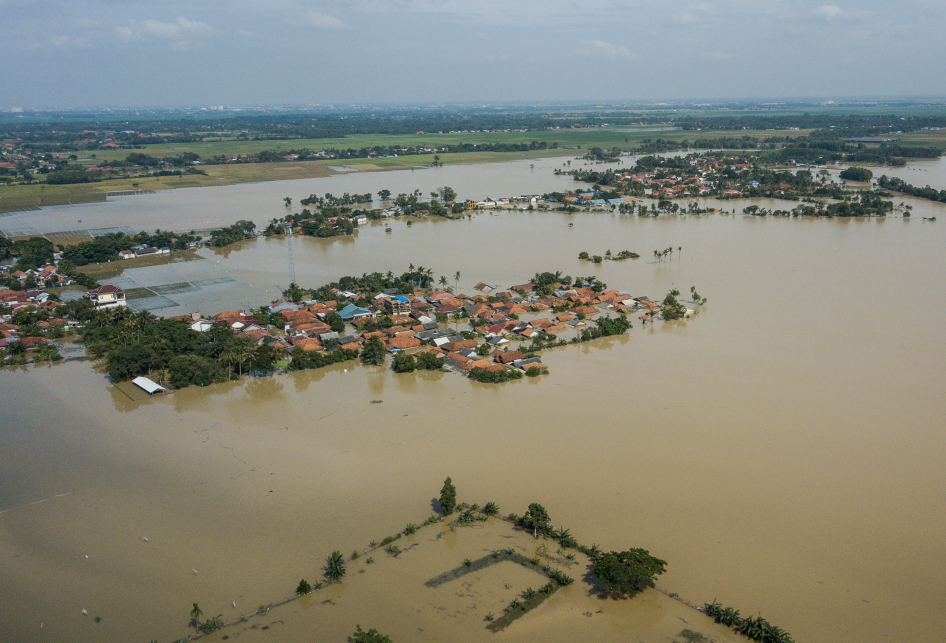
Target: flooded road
x,y
784,450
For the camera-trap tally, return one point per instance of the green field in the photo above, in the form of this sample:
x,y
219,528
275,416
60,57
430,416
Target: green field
x,y
623,137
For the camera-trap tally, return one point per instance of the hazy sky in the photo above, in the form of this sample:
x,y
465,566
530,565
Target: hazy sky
x,y
57,53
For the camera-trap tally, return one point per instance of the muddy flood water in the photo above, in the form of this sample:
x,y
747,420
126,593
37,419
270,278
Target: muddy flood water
x,y
784,450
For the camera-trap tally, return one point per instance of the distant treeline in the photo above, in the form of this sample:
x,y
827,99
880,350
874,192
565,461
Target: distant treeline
x,y
819,152
899,185
58,133
305,154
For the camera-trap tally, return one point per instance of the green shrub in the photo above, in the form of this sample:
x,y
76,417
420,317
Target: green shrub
x,y
403,363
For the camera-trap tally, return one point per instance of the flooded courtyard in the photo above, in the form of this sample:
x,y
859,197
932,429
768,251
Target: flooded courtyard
x,y
783,450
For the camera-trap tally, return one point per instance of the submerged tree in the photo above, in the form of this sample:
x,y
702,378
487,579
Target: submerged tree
x,y
670,308
448,497
537,519
696,296
627,573
373,352
371,636
404,363
335,566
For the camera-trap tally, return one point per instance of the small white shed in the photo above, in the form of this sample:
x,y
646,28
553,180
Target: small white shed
x,y
148,386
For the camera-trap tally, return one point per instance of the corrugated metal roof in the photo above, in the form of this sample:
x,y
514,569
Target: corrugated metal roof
x,y
147,385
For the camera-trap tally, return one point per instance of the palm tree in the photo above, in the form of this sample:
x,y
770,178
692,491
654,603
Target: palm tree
x,y
456,281
196,612
335,566
245,351
561,533
729,617
443,281
229,354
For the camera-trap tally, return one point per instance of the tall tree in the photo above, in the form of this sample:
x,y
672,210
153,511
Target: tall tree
x,y
537,518
373,352
448,497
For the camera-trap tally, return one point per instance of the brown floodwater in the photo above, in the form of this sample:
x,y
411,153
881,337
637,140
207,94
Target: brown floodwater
x,y
784,450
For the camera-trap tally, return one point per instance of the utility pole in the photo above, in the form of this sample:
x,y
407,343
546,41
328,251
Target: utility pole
x,y
292,261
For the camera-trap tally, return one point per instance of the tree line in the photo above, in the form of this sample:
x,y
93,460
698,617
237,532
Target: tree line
x,y
899,185
106,247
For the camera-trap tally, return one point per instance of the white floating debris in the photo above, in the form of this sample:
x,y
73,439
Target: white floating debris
x,y
86,555
194,570
84,613
234,603
144,538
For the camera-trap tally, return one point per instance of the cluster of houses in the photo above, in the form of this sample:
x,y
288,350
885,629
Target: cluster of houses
x,y
43,277
17,301
431,323
691,185
592,199
665,183
493,323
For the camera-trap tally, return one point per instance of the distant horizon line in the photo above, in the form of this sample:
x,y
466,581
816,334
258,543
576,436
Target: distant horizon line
x,y
772,101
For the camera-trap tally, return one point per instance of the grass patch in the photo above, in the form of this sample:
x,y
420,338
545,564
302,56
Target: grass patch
x,y
138,293
482,563
519,608
100,271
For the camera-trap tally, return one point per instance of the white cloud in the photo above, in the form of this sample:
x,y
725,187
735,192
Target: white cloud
x,y
833,14
69,42
611,50
827,12
127,34
180,33
321,21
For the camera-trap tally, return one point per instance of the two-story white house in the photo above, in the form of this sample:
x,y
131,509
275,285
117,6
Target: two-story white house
x,y
107,296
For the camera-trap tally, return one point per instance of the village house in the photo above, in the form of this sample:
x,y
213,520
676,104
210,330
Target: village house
x,y
107,296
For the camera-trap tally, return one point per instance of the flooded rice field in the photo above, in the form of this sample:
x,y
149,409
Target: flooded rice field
x,y
784,450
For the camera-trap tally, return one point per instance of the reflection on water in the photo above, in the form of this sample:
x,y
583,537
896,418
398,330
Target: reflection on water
x,y
782,449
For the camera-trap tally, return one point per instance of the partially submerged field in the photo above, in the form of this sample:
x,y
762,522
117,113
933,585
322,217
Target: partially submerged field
x,y
427,597
25,197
